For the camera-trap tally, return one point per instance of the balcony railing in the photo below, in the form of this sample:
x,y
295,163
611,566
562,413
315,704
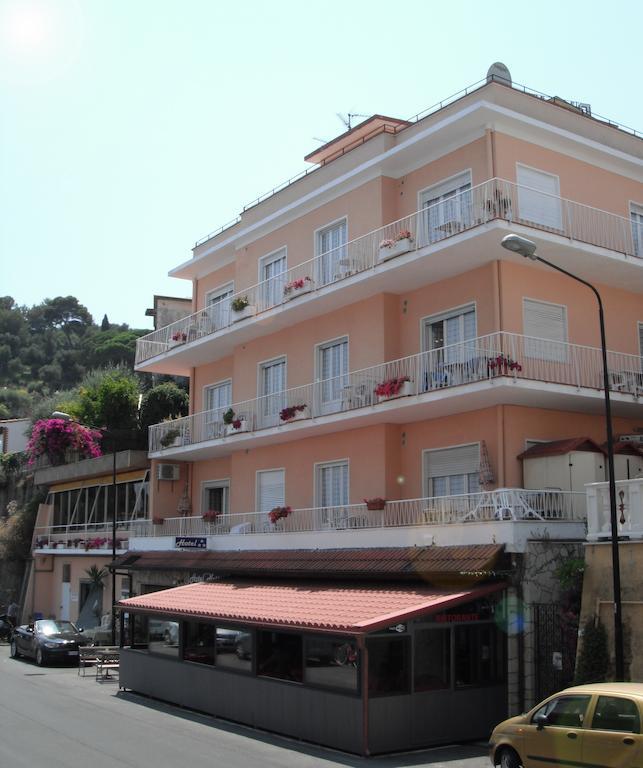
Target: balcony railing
x,y
503,504
494,199
84,536
629,510
484,358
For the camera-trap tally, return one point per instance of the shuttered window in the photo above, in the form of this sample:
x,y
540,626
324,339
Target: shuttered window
x,y
636,217
332,484
539,197
448,208
641,340
545,326
271,489
452,471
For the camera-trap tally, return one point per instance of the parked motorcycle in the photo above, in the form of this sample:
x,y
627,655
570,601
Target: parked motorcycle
x,y
7,625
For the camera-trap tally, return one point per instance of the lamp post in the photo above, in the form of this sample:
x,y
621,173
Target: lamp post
x,y
527,248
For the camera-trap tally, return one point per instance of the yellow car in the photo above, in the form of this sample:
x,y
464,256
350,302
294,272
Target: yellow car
x,y
589,725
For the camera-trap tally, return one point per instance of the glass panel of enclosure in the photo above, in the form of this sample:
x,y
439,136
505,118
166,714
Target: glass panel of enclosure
x,y
432,659
478,655
163,636
333,263
280,655
333,370
81,507
234,648
198,642
389,666
273,399
137,625
273,277
331,662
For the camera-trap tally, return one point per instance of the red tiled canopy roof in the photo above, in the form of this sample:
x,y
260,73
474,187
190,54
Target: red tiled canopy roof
x,y
303,605
561,447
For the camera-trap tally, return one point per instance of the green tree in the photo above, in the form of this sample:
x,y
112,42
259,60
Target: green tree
x,y
593,660
163,401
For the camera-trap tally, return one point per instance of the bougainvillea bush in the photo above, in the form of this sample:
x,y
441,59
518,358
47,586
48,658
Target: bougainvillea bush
x,y
53,438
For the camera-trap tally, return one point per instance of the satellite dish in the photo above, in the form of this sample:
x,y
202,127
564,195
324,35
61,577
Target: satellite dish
x,y
498,73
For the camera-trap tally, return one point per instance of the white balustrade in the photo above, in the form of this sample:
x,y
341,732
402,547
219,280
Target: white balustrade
x,y
493,199
629,509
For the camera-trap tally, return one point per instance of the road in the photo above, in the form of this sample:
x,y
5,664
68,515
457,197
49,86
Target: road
x,y
52,717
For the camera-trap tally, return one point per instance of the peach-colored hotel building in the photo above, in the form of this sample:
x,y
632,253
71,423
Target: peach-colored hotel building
x,y
359,333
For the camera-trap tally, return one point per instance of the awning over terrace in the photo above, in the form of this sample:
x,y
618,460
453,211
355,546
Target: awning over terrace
x,y
316,606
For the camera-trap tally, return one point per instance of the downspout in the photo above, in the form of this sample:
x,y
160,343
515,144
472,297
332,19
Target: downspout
x,y
363,668
498,320
490,136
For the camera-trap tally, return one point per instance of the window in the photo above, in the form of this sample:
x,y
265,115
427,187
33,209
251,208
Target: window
x,y
199,643
163,636
389,666
331,249
216,497
272,383
545,325
449,340
272,276
448,208
280,655
331,662
270,489
641,343
539,197
332,484
432,659
478,655
332,365
234,648
636,217
565,712
217,398
452,471
217,304
614,713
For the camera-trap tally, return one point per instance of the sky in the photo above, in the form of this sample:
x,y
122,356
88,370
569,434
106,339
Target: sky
x,y
129,129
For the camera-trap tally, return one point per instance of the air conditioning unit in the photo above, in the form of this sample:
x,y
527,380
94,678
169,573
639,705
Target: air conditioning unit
x,y
631,439
167,471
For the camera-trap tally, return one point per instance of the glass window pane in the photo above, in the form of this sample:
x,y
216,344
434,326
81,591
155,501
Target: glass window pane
x,y
331,662
199,643
432,659
389,666
280,655
564,712
234,648
479,655
163,636
614,713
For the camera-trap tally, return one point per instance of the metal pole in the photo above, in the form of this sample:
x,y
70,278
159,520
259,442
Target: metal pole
x,y
114,513
619,666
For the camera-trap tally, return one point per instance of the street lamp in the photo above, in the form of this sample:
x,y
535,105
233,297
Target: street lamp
x,y
527,248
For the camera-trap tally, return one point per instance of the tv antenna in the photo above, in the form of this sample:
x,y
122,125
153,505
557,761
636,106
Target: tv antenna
x,y
347,119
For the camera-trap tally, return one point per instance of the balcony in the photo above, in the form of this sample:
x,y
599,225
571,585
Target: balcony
x,y
83,538
629,510
497,368
342,275
506,515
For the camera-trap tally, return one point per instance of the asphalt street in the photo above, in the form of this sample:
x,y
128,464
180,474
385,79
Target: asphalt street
x,y
51,717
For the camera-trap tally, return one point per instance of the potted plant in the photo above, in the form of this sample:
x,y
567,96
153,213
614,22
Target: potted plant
x,y
233,423
178,337
211,516
171,437
297,287
278,512
242,308
400,243
375,503
294,412
398,386
502,364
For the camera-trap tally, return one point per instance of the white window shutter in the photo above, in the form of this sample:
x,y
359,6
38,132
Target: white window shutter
x,y
462,460
549,322
539,197
271,489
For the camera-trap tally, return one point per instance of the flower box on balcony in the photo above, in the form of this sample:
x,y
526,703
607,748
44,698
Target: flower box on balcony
x,y
375,504
238,425
297,287
179,337
401,386
294,413
391,248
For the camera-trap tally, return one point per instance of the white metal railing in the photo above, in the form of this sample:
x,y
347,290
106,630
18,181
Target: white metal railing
x,y
629,509
493,199
483,358
503,504
84,536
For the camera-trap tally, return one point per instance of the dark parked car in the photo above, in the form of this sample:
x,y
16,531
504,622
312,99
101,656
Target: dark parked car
x,y
46,640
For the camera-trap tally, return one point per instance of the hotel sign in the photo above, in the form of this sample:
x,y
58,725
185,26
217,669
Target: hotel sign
x,y
190,542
